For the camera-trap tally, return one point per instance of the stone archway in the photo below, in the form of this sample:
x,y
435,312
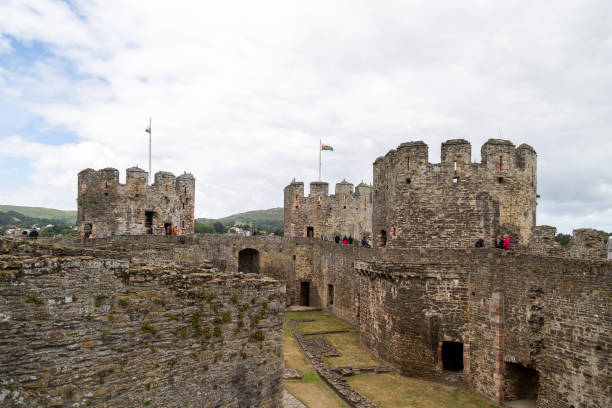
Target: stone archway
x,y
248,260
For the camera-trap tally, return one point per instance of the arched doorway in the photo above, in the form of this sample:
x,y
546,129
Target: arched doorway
x,y
248,261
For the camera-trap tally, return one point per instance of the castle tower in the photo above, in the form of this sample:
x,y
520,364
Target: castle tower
x,y
320,214
293,198
106,207
453,203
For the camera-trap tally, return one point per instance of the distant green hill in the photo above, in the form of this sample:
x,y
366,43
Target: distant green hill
x,y
64,216
270,219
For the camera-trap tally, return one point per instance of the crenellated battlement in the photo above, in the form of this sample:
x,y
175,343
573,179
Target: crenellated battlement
x,y
346,212
107,207
454,202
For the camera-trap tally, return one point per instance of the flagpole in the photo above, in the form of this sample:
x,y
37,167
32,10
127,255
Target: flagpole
x,y
149,148
320,147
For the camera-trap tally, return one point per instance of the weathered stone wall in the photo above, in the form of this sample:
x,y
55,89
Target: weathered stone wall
x,y
543,242
81,331
105,206
453,203
346,212
510,310
588,243
609,248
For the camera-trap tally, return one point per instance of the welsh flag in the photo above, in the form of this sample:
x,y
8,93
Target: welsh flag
x,y
148,129
327,147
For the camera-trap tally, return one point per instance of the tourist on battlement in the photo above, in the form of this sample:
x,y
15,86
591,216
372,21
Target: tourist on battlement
x,y
499,243
337,239
34,234
345,240
175,230
350,240
506,243
480,242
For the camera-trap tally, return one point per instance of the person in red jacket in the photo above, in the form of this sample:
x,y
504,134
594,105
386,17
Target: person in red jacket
x,y
507,242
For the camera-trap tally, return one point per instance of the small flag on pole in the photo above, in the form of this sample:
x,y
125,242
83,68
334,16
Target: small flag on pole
x,y
148,129
327,147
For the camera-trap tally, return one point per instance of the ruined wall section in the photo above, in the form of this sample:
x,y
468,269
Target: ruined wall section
x,y
407,309
453,203
588,243
542,241
106,206
513,312
80,331
347,212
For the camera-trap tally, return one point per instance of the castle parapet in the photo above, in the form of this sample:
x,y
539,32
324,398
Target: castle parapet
x,y
107,207
454,202
346,212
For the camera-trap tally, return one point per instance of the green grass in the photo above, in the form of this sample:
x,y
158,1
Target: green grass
x,y
67,216
394,391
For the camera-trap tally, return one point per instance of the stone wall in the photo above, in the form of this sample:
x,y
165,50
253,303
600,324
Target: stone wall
x,y
519,317
107,207
588,243
543,242
84,330
346,212
453,203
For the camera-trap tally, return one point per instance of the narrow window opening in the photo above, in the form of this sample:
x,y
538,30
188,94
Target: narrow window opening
x,y
149,219
310,232
319,201
408,181
501,162
294,257
408,162
357,304
382,238
455,166
185,190
297,206
500,180
532,177
106,184
344,207
330,295
183,206
452,356
183,224
106,194
305,294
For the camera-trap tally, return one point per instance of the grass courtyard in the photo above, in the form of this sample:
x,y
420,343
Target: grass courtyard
x,y
388,390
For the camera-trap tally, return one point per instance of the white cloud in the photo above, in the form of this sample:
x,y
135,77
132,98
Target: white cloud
x,y
241,92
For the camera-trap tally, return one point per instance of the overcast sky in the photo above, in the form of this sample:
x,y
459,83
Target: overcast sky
x,y
241,92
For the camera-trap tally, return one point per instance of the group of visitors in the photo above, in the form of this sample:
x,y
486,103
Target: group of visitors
x,y
499,242
365,241
169,230
29,234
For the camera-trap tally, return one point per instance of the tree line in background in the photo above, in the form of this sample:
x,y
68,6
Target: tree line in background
x,y
48,227
566,239
217,227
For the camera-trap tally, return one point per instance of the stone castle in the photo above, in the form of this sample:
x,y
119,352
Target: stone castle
x,y
414,203
107,207
345,213
81,319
